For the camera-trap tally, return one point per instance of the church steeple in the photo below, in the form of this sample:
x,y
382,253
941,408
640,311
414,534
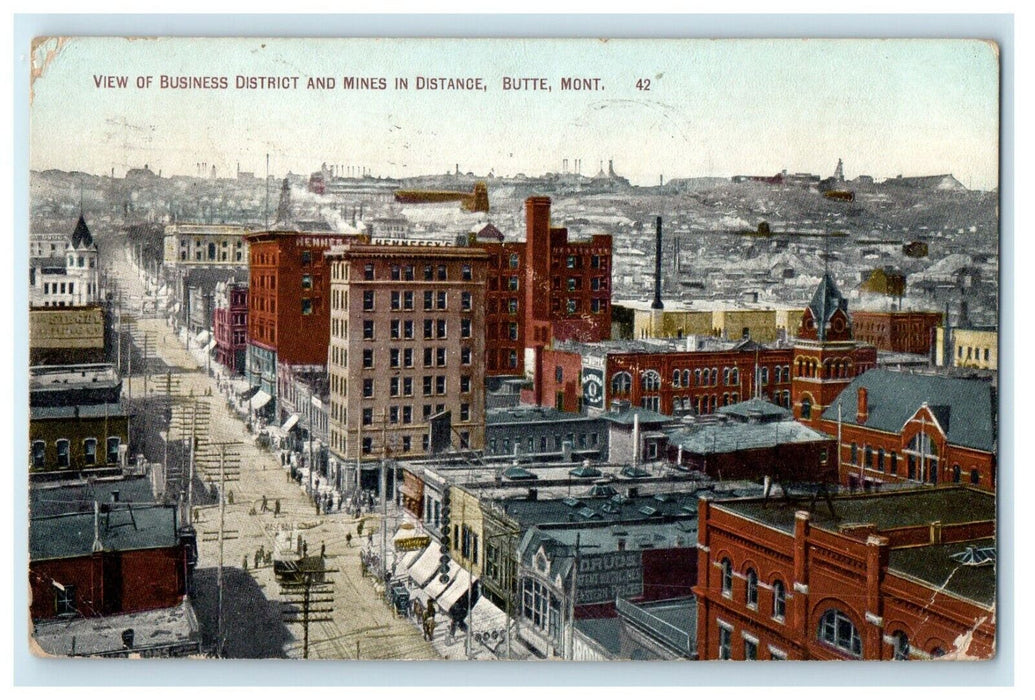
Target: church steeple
x,y
81,237
826,317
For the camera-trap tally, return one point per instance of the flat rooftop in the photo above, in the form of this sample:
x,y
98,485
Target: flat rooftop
x,y
72,535
934,565
885,510
722,438
533,414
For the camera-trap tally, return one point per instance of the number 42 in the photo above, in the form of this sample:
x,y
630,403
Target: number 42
x,y
643,84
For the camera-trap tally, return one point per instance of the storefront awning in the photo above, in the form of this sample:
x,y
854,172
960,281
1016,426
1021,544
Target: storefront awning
x,y
290,423
487,617
456,590
407,560
426,566
260,399
436,588
202,338
211,344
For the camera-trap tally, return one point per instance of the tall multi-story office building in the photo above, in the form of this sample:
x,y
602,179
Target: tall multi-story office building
x,y
407,342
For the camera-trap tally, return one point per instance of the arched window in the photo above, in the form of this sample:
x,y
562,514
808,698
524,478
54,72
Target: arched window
x,y
90,452
922,456
975,476
735,376
765,375
686,377
727,578
697,377
621,383
650,381
937,652
715,377
956,473
806,408
900,644
751,594
62,453
779,600
725,375
675,377
837,630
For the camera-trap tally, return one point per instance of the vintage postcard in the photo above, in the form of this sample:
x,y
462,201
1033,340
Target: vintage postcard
x,y
492,349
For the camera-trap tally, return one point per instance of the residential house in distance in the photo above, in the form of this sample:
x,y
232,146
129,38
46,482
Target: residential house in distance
x,y
69,278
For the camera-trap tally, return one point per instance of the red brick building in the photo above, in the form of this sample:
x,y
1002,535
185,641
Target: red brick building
x,y
230,326
123,560
897,575
826,355
897,331
544,289
662,375
288,302
897,427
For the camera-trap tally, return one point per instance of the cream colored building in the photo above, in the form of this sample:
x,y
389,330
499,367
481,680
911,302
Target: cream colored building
x,y
467,532
205,245
764,325
976,348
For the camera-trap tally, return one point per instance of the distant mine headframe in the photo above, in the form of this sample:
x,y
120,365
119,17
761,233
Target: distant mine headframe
x,y
475,201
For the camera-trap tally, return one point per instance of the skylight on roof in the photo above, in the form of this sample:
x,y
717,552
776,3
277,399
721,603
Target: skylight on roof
x,y
975,556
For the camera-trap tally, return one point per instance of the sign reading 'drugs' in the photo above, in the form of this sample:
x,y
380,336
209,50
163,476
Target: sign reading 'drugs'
x,y
603,577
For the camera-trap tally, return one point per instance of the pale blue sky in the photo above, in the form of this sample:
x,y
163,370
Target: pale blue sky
x,y
715,107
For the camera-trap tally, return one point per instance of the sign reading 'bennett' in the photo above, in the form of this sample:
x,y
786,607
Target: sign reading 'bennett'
x,y
537,339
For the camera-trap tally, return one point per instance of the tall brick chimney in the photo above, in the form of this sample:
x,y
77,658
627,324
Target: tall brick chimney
x,y
657,304
862,407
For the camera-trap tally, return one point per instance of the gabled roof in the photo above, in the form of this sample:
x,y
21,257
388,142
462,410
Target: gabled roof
x,y
825,302
755,408
964,408
81,237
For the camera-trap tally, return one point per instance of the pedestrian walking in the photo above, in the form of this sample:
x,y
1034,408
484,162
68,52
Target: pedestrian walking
x,y
244,564
276,508
230,497
265,505
348,540
305,548
257,557
323,550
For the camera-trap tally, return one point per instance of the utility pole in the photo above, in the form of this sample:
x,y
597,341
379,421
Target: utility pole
x,y
309,590
384,495
569,642
226,456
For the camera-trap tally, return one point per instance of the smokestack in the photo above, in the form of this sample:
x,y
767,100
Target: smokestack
x,y
97,546
657,269
862,407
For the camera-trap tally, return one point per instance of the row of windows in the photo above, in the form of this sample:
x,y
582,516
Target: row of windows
x,y
922,461
779,599
574,284
504,359
750,650
508,306
408,272
433,328
38,452
511,283
514,261
399,357
575,262
574,306
972,353
580,441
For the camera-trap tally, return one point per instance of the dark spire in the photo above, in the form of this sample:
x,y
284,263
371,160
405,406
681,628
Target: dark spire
x,y
825,302
81,237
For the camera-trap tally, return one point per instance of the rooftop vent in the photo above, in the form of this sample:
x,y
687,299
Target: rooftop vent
x,y
572,502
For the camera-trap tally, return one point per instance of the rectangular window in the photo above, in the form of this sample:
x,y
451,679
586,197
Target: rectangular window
x,y
408,330
90,452
307,281
394,330
368,330
429,329
368,272
440,327
113,445
64,600
407,301
407,443
429,273
465,301
407,414
440,357
395,273
725,641
512,306
393,358
465,356
39,454
750,649
368,445
407,386
393,414
408,357
442,273
429,354
465,328
393,386
307,257
442,300
396,301
440,384
465,383
368,388
368,416
62,453
465,412
427,385
368,300
368,358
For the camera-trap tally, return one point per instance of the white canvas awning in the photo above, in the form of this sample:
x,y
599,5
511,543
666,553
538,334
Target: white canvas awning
x,y
211,344
407,560
436,588
426,566
260,399
487,616
456,590
290,423
202,338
